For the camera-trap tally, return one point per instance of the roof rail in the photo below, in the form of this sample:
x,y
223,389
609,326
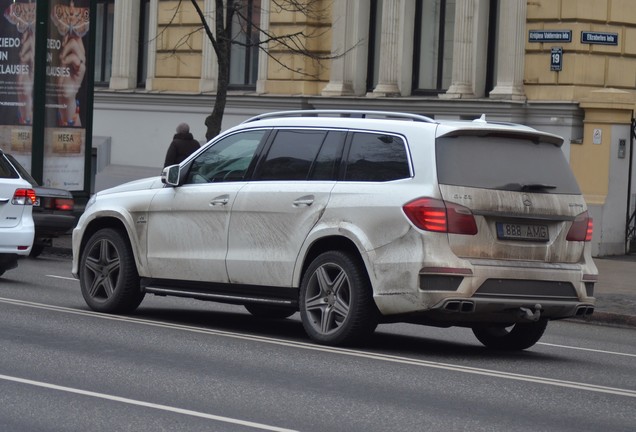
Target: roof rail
x,y
343,113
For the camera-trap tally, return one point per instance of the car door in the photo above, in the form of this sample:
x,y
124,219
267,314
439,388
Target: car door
x,y
188,224
275,212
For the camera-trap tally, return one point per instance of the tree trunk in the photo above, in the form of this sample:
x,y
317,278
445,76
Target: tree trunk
x,y
214,121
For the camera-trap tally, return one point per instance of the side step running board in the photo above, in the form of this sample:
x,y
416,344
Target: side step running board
x,y
221,298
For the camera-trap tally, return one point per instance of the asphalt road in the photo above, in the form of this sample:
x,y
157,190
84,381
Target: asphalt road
x,y
185,365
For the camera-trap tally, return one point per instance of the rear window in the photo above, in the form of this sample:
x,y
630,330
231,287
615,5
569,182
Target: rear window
x,y
6,170
504,163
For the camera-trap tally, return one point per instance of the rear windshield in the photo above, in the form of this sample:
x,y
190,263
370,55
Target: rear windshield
x,y
504,163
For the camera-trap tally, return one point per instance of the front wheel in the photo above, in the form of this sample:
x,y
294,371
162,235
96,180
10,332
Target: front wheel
x,y
515,338
336,303
108,275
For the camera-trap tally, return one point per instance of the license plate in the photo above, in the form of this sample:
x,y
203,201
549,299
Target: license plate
x,y
527,232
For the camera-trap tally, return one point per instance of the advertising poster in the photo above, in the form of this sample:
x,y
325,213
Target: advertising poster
x,y
66,94
17,52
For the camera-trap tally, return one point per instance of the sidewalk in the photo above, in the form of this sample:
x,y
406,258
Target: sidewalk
x,y
615,291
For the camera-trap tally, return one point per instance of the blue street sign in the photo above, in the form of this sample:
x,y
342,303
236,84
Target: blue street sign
x,y
556,59
599,38
550,36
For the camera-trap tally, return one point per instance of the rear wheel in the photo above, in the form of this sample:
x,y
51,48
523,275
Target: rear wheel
x,y
108,275
512,338
36,250
8,262
336,303
270,312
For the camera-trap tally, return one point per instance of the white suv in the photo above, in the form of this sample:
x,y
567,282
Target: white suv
x,y
16,215
354,218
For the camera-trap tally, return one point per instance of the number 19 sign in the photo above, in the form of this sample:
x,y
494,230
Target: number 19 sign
x,y
556,59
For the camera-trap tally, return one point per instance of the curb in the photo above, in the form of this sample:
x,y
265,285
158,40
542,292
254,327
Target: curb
x,y
608,319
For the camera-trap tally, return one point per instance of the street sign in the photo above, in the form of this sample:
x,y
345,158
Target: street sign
x,y
556,59
599,38
550,36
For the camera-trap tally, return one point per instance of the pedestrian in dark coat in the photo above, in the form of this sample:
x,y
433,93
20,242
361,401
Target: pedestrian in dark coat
x,y
183,145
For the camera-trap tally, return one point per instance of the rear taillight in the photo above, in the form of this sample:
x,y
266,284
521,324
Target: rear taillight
x,y
23,197
435,215
582,228
65,204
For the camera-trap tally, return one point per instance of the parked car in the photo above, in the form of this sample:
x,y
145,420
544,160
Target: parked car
x,y
354,218
52,212
16,221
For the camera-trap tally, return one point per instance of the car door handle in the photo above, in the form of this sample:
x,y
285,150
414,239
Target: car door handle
x,y
220,200
304,201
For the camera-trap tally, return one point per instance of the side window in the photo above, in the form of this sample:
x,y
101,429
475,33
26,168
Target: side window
x,y
328,158
377,157
291,155
227,159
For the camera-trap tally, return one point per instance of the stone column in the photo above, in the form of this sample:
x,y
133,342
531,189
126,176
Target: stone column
x,y
263,58
342,19
510,51
125,45
389,50
462,85
151,65
209,65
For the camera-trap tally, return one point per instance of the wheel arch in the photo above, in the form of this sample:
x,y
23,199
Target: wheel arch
x,y
116,223
329,243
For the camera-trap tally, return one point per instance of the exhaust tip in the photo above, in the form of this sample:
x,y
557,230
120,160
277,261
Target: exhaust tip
x,y
461,306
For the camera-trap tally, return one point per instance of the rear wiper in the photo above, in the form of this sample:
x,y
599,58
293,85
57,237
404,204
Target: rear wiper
x,y
536,186
527,187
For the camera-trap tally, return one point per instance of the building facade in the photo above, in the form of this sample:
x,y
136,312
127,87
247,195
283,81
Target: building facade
x,y
563,66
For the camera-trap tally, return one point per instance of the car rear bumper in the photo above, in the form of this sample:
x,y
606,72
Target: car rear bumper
x,y
14,240
494,291
52,225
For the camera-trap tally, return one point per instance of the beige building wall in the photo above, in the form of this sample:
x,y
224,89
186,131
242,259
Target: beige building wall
x,y
295,74
179,47
586,67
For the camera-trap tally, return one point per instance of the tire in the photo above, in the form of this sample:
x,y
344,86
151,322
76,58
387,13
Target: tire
x,y
517,338
108,275
270,312
36,250
336,303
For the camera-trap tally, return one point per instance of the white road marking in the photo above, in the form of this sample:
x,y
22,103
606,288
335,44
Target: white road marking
x,y
587,349
538,343
63,277
341,351
145,404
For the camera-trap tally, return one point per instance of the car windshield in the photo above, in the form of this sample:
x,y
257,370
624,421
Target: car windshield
x,y
23,172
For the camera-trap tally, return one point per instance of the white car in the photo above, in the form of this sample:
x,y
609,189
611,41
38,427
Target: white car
x,y
16,219
354,218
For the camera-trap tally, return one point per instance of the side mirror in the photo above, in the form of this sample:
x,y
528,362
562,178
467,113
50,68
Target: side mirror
x,y
170,175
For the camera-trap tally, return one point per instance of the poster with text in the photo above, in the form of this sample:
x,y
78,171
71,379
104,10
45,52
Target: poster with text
x,y
67,79
17,54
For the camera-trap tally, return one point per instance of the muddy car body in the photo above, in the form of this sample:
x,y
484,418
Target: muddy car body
x,y
354,218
